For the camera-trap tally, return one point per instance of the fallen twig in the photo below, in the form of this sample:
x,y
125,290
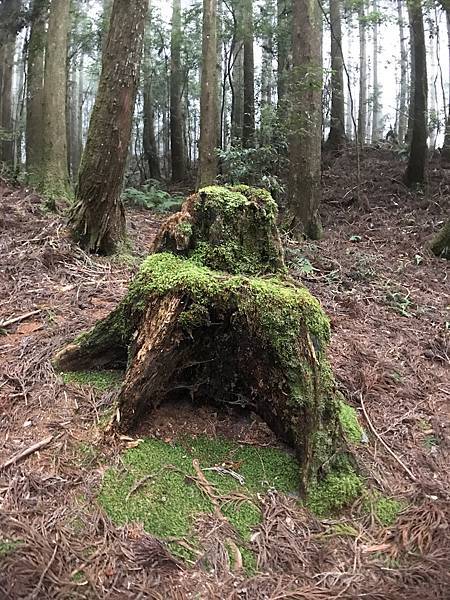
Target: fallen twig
x,y
19,319
378,436
26,452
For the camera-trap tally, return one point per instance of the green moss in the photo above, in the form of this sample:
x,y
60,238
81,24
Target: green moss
x,y
8,547
169,502
336,491
274,306
185,228
385,510
100,380
349,423
235,231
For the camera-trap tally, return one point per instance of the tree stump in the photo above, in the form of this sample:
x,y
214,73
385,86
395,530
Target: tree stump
x,y
212,314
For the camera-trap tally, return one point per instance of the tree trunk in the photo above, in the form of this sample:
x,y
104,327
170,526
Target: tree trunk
x,y
35,87
349,114
267,81
415,172
445,154
440,245
231,338
362,112
306,120
248,131
53,176
336,137
208,102
7,53
98,219
176,114
237,100
148,134
402,117
284,38
149,139
74,115
9,27
377,126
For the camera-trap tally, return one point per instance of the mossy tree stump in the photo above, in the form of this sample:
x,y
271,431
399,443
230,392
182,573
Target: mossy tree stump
x,y
212,314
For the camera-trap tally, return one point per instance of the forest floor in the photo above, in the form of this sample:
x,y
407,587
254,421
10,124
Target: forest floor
x,y
388,301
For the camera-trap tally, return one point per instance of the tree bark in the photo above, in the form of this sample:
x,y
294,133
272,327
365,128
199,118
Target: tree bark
x,y
7,52
9,27
284,37
377,127
445,153
178,158
362,112
208,101
415,172
237,100
305,141
148,133
53,176
35,87
248,131
98,219
336,137
402,117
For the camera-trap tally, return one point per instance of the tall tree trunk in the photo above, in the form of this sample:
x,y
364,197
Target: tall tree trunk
x,y
53,176
349,105
445,154
77,149
35,87
362,112
415,172
377,127
148,134
176,112
9,26
402,117
73,113
248,132
283,42
208,101
7,53
98,219
19,106
306,120
237,82
267,60
336,138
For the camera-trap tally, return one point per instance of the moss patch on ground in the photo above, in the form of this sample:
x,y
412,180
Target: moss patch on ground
x,y
169,501
385,510
100,380
8,546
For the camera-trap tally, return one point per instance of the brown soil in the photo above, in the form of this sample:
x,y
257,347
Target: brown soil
x,y
388,300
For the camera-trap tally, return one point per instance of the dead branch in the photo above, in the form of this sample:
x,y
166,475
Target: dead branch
x,y
34,448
